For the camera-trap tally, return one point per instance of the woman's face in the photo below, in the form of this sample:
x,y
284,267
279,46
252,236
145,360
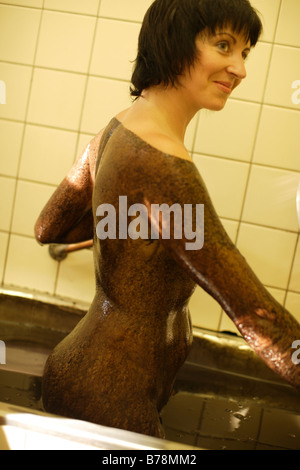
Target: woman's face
x,y
217,71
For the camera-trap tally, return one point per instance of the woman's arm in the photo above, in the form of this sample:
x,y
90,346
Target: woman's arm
x,y
220,269
67,217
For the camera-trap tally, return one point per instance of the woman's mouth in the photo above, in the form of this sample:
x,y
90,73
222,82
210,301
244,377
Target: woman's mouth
x,y
226,87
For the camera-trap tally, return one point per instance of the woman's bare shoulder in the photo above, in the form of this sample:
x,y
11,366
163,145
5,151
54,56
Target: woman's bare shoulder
x,y
152,134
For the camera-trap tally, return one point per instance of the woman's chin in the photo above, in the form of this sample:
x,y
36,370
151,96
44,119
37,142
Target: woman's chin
x,y
217,105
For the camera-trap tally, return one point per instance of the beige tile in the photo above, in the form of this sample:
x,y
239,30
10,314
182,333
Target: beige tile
x,y
115,49
65,41
99,106
56,99
83,141
231,228
228,325
288,31
269,252
88,7
191,134
3,249
271,198
295,275
278,294
268,10
29,265
10,145
257,64
18,33
7,193
284,71
278,142
205,311
30,200
128,10
48,154
17,80
226,183
76,277
293,304
26,3
228,133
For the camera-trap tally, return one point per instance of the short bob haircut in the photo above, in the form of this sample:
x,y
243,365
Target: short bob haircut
x,y
167,41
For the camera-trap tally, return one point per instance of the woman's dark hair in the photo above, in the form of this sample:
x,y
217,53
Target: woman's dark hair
x,y
167,41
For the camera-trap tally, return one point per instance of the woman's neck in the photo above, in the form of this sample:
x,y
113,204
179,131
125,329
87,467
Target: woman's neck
x,y
169,109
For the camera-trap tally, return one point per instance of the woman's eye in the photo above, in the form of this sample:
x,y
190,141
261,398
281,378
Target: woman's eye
x,y
224,46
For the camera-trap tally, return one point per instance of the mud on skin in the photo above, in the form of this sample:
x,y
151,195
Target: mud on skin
x,y
117,368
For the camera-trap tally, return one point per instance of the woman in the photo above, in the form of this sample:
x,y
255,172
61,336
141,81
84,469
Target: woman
x,y
118,366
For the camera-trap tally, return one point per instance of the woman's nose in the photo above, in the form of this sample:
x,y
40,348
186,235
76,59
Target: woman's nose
x,y
237,68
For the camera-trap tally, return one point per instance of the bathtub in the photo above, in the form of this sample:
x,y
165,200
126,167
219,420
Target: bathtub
x,y
224,395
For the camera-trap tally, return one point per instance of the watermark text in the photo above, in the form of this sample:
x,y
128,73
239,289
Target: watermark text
x,y
296,354
296,94
188,222
2,92
2,352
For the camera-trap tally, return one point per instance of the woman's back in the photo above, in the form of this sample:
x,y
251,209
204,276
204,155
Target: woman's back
x,y
138,329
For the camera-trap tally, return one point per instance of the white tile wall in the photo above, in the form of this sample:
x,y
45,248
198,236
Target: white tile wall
x,y
115,48
11,134
277,143
269,252
71,35
16,47
284,70
3,251
131,11
104,97
17,79
47,154
67,65
288,25
56,98
36,270
270,198
7,193
225,134
88,7
216,172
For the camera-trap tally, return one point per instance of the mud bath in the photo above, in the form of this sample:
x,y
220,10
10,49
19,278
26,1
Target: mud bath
x,y
226,398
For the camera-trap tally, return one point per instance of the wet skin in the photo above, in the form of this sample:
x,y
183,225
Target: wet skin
x,y
118,366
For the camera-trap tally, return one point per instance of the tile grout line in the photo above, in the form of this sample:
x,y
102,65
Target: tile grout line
x,y
287,291
87,75
24,122
262,104
256,136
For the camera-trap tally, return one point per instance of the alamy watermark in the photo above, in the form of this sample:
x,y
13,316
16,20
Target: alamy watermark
x,y
296,354
2,352
2,92
188,221
296,94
